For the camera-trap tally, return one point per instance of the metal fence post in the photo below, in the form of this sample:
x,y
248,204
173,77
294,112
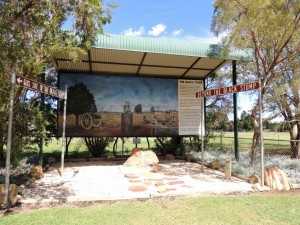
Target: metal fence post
x,y
261,136
9,135
63,133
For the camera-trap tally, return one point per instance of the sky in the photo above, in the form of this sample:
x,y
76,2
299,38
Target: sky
x,y
188,20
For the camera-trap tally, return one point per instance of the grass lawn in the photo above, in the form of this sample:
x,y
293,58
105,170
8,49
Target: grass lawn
x,y
273,141
249,209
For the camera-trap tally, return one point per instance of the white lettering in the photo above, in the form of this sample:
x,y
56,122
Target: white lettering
x,y
26,83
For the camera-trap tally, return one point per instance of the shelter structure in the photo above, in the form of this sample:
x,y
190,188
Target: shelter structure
x,y
143,57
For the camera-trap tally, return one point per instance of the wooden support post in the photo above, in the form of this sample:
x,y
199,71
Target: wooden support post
x,y
228,169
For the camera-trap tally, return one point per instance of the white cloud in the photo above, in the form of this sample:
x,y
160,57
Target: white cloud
x,y
157,29
177,32
131,32
210,38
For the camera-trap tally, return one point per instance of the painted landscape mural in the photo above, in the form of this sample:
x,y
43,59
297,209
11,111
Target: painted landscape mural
x,y
100,105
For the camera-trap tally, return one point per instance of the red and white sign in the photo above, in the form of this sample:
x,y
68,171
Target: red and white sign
x,y
25,82
227,90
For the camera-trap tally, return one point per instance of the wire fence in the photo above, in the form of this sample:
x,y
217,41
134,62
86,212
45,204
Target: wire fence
x,y
281,153
289,148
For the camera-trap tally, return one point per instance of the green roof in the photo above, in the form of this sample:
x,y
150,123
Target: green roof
x,y
169,46
157,57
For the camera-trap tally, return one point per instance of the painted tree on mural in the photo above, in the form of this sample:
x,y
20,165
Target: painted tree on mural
x,y
271,28
138,108
80,101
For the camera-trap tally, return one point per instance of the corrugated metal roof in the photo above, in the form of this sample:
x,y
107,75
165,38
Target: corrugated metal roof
x,y
169,46
157,57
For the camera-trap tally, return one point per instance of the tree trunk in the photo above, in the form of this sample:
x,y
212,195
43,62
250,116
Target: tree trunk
x,y
256,134
295,138
1,152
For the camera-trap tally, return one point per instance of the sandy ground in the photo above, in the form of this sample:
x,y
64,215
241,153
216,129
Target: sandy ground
x,y
101,180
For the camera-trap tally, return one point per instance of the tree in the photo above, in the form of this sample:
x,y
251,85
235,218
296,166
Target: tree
x,y
245,121
127,107
31,34
271,28
284,96
80,101
216,120
138,108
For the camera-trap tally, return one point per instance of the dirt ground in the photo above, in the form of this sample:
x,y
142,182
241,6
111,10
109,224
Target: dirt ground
x,y
86,183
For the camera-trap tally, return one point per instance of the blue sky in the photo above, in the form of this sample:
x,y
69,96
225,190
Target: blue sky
x,y
188,20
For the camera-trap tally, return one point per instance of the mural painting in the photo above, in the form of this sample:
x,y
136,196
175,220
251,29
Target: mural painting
x,y
100,105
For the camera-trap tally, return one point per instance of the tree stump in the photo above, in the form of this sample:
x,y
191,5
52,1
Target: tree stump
x,y
276,179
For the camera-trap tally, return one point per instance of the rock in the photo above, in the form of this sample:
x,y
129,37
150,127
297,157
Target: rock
x,y
214,165
158,184
135,150
276,179
285,181
13,196
175,182
258,187
253,179
142,158
164,190
169,157
189,157
36,172
138,188
134,181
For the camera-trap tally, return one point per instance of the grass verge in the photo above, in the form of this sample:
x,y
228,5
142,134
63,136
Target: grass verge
x,y
249,209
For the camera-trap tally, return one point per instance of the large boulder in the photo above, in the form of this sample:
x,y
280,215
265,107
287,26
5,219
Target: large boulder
x,y
13,196
276,178
36,172
142,158
253,179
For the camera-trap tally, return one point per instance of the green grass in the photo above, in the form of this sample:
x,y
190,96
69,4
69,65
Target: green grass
x,y
252,209
273,142
267,135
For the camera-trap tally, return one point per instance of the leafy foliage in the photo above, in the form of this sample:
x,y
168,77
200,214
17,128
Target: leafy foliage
x,y
271,28
97,145
171,145
31,34
245,121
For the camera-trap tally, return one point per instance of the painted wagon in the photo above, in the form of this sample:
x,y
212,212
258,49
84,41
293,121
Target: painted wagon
x,y
89,120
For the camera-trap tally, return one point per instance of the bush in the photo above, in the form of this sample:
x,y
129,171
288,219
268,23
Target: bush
x,y
97,145
172,146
